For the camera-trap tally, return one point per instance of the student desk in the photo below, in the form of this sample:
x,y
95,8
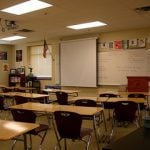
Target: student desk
x,y
26,95
13,88
137,140
116,99
99,100
11,129
50,108
71,92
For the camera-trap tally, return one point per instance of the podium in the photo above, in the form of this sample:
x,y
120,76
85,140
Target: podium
x,y
138,83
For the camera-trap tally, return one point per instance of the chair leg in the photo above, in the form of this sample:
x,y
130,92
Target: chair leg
x,y
65,143
13,145
30,146
58,144
88,142
43,137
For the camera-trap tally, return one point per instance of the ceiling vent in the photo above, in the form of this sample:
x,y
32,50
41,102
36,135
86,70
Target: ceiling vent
x,y
25,30
143,9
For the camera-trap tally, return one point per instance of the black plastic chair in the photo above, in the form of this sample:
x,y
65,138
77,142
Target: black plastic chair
x,y
85,102
20,100
125,112
108,105
89,103
30,117
62,98
68,126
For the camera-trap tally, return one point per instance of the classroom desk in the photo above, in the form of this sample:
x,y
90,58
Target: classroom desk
x,y
137,140
61,90
147,94
12,129
15,88
127,93
51,108
97,99
26,95
116,99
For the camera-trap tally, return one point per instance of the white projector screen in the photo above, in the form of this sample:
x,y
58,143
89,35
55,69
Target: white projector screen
x,y
78,63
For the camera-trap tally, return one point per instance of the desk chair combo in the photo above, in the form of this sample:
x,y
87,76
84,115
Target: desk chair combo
x,y
30,117
98,119
21,100
68,126
142,106
87,103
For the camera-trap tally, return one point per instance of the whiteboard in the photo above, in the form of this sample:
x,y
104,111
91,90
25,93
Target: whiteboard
x,y
78,61
115,66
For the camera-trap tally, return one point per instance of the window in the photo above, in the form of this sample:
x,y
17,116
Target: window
x,y
42,67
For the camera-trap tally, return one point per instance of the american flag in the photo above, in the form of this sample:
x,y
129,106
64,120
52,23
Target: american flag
x,y
45,49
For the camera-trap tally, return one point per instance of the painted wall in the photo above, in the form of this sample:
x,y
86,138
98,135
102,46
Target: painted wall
x,y
110,36
10,59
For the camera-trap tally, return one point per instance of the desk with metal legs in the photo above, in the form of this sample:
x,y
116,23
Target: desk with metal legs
x,y
70,92
26,95
12,129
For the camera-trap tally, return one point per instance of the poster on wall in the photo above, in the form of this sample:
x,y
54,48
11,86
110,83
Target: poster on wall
x,y
5,67
18,55
3,55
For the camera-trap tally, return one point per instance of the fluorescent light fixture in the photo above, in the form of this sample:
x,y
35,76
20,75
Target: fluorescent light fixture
x,y
13,38
87,25
26,7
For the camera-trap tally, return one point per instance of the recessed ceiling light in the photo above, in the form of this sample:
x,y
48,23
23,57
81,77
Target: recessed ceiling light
x,y
26,7
13,38
87,25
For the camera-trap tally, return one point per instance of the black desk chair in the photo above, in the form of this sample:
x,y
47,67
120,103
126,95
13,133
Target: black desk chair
x,y
20,100
30,117
68,125
89,103
62,98
85,102
108,105
125,112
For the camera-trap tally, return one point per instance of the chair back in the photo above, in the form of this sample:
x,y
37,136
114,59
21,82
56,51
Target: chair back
x,y
85,102
23,115
109,95
2,103
20,100
125,111
68,124
62,98
138,95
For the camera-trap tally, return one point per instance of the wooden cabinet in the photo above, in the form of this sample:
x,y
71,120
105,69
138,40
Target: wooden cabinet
x,y
138,83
